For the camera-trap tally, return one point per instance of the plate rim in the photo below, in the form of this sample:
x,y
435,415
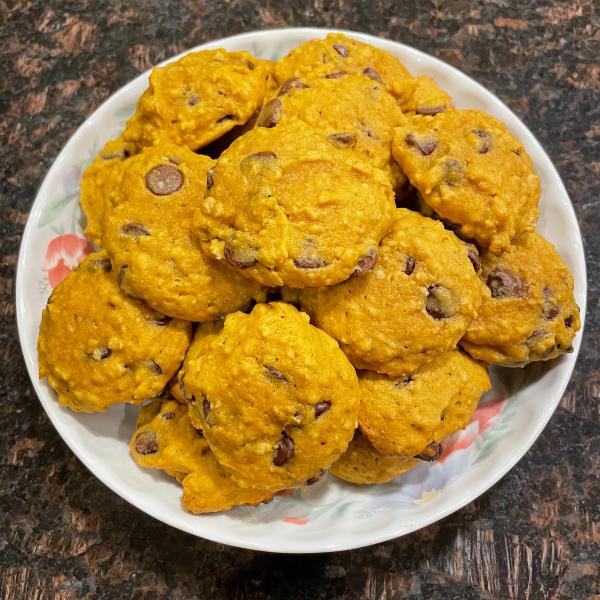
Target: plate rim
x,y
364,540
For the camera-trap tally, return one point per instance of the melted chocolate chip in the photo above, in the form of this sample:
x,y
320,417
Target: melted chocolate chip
x,y
255,160
341,49
275,373
161,320
336,75
102,263
424,146
505,284
239,258
430,110
473,254
453,171
569,321
154,367
366,263
371,73
168,415
291,84
344,139
409,265
431,453
210,178
284,450
206,407
310,262
403,381
270,114
100,353
550,311
134,230
193,100
146,443
164,180
121,276
486,141
436,303
322,407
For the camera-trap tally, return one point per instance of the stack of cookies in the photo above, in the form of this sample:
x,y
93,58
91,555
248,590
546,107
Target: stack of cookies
x,y
304,267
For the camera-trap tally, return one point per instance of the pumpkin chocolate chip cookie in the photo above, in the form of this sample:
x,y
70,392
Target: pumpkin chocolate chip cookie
x,y
99,347
529,312
277,399
415,304
165,439
148,237
100,182
364,465
412,414
470,169
198,98
351,112
285,206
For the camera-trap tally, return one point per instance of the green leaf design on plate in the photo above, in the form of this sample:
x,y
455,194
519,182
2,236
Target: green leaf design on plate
x,y
55,208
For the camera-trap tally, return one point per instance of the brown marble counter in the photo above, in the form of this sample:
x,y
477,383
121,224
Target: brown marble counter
x,y
64,535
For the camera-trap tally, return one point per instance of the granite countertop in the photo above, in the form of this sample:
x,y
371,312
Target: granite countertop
x,y
64,535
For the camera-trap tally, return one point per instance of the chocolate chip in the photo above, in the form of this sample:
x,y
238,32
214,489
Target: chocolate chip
x,y
200,433
121,276
453,171
100,353
431,453
344,139
291,84
193,100
102,263
409,265
371,73
275,373
537,336
226,118
318,477
284,450
309,262
336,75
168,415
134,230
505,284
239,258
436,303
322,407
569,321
473,254
366,263
146,443
341,49
550,311
154,367
210,178
258,158
424,146
430,110
517,152
164,180
270,114
206,407
486,140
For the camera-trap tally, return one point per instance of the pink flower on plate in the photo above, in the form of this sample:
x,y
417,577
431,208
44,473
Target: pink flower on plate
x,y
63,254
485,413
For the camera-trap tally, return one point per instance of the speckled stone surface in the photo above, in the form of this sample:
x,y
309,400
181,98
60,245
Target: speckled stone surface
x,y
64,535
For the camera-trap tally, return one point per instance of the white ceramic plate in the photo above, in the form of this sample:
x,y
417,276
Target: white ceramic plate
x,y
331,515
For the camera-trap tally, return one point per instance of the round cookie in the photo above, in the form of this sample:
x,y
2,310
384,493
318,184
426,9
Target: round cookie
x,y
277,399
412,414
100,182
199,98
149,239
414,305
529,312
338,54
165,439
99,347
288,207
364,465
471,170
353,112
